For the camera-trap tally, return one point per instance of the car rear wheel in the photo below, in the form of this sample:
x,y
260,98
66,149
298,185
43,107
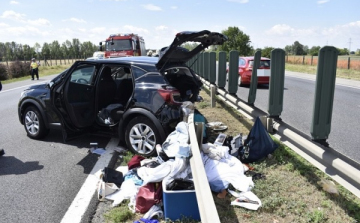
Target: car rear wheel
x,y
34,123
240,82
142,136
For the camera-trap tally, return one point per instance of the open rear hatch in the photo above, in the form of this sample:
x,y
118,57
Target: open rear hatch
x,y
172,61
176,55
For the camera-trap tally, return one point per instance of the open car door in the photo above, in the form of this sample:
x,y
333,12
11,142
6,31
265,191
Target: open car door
x,y
74,99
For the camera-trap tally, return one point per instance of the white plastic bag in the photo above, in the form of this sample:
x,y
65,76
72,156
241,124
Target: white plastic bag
x,y
105,189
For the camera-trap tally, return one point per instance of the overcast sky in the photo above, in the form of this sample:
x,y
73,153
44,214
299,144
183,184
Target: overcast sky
x,y
272,23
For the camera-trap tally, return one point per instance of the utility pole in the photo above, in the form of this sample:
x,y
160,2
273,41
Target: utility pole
x,y
349,46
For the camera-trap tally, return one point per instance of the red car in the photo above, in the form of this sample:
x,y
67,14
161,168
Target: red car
x,y
246,67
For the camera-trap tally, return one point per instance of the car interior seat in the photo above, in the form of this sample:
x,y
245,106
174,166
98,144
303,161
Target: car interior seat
x,y
125,87
106,88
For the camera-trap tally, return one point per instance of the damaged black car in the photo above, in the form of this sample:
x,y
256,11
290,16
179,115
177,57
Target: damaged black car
x,y
135,98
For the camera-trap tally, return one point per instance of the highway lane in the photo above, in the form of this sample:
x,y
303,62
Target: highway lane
x,y
298,105
38,178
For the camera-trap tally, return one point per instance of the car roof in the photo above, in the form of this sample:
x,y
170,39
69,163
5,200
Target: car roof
x,y
252,58
129,60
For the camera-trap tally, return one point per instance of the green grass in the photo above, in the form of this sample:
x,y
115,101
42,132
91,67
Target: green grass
x,y
289,193
341,73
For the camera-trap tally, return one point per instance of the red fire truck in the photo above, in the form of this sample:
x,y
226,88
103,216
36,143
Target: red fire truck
x,y
124,45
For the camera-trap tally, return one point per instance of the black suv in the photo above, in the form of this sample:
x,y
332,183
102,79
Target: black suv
x,y
136,98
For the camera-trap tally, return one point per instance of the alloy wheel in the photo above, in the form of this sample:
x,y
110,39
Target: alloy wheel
x,y
32,122
142,139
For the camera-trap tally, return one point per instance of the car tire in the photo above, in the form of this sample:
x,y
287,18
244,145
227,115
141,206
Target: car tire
x,y
141,136
34,123
240,82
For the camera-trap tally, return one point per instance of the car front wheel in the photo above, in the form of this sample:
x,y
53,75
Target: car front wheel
x,y
142,136
34,123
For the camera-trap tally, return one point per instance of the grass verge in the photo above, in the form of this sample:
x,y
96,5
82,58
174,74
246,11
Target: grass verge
x,y
290,192
43,71
341,73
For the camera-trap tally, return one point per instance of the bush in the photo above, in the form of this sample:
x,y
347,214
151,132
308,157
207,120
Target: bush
x,y
19,69
3,72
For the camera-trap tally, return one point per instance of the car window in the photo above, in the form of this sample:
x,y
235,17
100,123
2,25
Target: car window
x,y
119,73
263,63
138,72
241,62
83,74
152,78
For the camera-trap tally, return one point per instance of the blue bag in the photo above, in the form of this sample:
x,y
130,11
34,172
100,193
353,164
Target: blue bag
x,y
257,145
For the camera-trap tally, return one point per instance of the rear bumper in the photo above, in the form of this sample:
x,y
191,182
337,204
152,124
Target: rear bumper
x,y
260,80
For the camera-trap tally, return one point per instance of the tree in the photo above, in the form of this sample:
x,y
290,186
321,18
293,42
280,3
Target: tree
x,y
76,48
88,48
55,50
288,49
314,51
2,51
45,51
37,48
266,52
28,52
237,40
344,51
298,48
190,46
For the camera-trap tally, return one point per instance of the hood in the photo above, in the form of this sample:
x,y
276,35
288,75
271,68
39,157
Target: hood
x,y
174,54
38,86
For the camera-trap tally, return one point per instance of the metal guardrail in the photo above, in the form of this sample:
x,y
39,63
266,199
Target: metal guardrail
x,y
341,168
207,208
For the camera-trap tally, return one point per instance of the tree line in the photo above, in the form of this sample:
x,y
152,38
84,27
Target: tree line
x,y
240,41
12,51
20,55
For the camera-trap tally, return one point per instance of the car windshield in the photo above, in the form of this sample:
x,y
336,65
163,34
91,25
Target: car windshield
x,y
263,63
121,44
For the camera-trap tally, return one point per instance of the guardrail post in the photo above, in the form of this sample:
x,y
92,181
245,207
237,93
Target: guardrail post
x,y
324,94
206,65
201,64
196,64
253,83
221,80
233,75
276,85
212,67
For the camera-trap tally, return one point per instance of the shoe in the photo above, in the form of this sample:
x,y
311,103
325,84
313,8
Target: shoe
x,y
32,79
38,78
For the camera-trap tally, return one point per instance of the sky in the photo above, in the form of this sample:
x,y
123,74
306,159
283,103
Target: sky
x,y
268,23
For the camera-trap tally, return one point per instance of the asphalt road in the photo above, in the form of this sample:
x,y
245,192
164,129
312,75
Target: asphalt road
x,y
38,178
298,105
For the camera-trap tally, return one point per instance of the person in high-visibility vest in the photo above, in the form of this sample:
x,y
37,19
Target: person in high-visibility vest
x,y
34,66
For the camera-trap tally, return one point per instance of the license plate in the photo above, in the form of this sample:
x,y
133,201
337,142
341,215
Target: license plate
x,y
263,73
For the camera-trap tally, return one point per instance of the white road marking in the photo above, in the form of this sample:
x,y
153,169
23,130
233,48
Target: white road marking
x,y
23,86
82,200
